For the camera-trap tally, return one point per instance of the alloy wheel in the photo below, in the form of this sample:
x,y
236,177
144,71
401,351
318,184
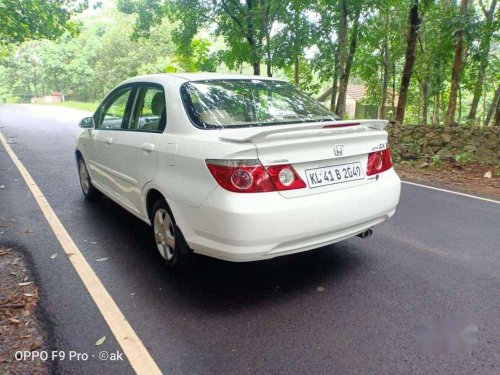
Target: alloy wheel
x,y
164,233
84,177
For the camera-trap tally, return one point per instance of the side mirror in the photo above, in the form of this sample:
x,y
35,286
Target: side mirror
x,y
86,123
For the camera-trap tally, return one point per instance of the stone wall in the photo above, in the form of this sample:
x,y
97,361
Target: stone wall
x,y
450,143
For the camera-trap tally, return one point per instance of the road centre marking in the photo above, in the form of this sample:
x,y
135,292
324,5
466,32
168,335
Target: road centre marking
x,y
132,346
452,192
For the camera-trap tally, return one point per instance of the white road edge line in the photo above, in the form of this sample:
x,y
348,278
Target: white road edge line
x,y
136,352
452,192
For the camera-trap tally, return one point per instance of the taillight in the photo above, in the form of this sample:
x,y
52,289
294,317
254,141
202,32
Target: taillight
x,y
285,177
249,176
378,162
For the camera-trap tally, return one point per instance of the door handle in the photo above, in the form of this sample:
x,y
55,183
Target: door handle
x,y
109,140
148,147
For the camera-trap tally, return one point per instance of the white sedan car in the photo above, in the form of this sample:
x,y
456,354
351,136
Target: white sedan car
x,y
233,167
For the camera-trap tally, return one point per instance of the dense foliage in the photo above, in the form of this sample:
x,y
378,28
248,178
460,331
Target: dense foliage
x,y
440,58
29,19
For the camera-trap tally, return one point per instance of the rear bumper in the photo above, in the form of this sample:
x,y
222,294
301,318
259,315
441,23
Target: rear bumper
x,y
247,227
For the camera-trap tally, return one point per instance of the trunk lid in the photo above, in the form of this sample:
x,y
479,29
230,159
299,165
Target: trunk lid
x,y
322,153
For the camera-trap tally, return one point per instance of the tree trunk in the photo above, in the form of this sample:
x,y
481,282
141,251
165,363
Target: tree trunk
x,y
411,45
435,115
342,41
494,104
296,70
385,77
344,77
393,100
256,68
497,115
484,104
269,62
425,102
484,48
457,68
333,98
459,104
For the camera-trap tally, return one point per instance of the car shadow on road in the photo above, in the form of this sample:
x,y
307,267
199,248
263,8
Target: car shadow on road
x,y
214,284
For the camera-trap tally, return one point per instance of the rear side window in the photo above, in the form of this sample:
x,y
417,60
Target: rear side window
x,y
150,110
114,113
249,102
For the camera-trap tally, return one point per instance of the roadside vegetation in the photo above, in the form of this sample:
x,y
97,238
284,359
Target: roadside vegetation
x,y
421,62
85,106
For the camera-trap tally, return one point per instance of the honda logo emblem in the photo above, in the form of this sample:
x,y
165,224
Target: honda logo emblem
x,y
338,150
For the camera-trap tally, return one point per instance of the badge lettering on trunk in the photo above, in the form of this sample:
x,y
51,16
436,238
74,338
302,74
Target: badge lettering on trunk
x,y
338,150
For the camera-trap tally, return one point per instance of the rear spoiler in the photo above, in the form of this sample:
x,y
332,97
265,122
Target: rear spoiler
x,y
259,132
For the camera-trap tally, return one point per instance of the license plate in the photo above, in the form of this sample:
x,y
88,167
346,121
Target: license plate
x,y
334,174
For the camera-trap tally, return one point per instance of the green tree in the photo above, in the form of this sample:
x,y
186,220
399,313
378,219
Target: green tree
x,y
245,26
458,60
22,20
337,37
487,30
294,35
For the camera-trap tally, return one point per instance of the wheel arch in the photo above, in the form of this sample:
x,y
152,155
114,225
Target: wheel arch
x,y
78,155
152,196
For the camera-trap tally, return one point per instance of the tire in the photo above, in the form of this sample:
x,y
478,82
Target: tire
x,y
89,191
170,242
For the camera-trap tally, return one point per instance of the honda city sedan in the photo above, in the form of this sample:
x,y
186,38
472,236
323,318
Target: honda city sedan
x,y
234,167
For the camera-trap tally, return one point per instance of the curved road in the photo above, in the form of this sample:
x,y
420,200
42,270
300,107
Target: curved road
x,y
349,308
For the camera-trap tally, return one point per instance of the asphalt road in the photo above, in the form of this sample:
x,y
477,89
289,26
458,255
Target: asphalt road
x,y
349,308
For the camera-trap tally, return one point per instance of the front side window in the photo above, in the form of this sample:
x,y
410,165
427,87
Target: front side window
x,y
245,103
150,110
113,115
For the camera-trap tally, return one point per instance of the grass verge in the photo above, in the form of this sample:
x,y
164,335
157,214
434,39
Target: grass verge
x,y
91,107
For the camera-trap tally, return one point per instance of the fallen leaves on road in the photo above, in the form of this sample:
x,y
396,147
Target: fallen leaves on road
x,y
25,283
100,341
20,329
6,252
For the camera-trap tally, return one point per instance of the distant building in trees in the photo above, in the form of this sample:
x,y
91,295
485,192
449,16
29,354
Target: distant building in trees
x,y
56,97
355,107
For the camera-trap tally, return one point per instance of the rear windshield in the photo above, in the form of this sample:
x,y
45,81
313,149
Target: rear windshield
x,y
245,103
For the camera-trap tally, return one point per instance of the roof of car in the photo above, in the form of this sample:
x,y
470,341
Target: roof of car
x,y
205,76
194,77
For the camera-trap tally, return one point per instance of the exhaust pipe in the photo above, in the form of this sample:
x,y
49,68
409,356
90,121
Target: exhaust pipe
x,y
366,234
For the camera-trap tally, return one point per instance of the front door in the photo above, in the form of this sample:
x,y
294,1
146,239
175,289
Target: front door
x,y
135,149
110,119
